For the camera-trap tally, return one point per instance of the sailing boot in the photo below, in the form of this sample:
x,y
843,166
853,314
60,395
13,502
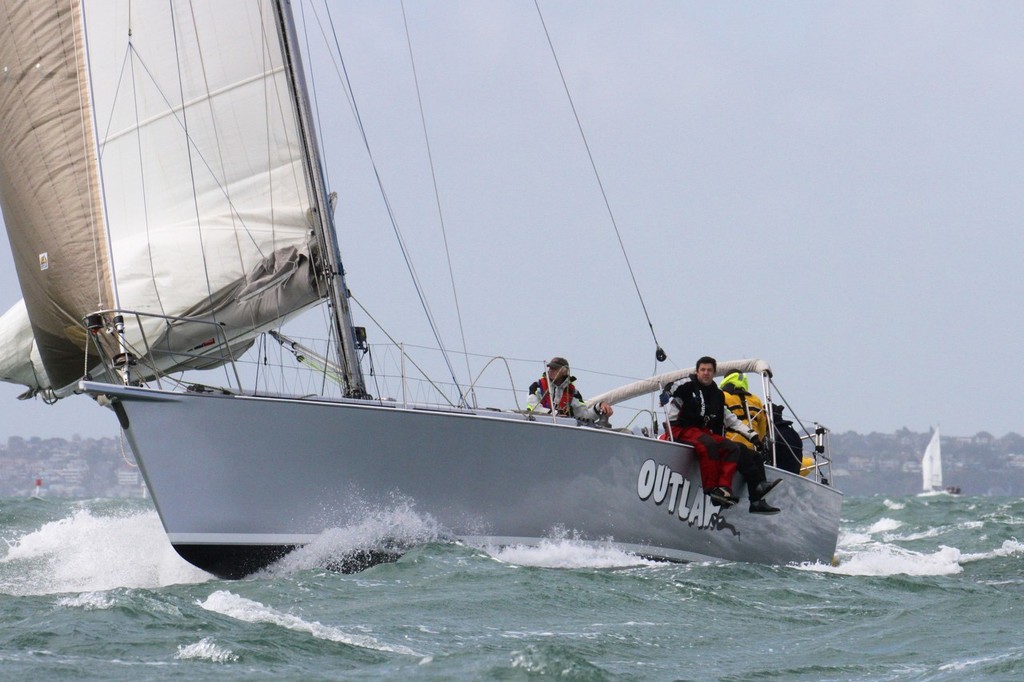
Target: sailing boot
x,y
757,493
763,488
762,507
723,497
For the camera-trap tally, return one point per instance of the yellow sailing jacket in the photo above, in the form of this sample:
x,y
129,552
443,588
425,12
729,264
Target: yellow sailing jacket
x,y
749,409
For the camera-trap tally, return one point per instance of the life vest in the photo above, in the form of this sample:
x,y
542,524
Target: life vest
x,y
694,404
749,409
563,402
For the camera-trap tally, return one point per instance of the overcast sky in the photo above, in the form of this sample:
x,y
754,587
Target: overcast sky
x,y
835,187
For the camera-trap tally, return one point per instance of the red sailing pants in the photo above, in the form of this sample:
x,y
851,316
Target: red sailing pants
x,y
718,456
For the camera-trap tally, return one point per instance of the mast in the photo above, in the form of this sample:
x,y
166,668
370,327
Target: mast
x,y
355,386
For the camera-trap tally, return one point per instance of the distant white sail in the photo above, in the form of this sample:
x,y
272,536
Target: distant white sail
x,y
931,465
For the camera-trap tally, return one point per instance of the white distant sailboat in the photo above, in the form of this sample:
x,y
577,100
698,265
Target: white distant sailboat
x,y
931,468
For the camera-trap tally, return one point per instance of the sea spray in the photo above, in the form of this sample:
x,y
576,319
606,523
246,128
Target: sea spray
x,y
564,549
206,650
90,551
375,535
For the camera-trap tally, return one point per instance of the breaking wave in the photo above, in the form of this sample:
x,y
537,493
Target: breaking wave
x,y
229,604
91,552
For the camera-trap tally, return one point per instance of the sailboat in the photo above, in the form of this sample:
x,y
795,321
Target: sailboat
x,y
931,468
163,191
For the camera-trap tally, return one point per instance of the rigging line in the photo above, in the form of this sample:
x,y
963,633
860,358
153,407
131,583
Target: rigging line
x,y
270,87
260,353
426,376
192,177
120,439
659,353
347,86
314,102
315,105
437,199
192,145
319,283
315,113
391,214
142,181
217,138
101,145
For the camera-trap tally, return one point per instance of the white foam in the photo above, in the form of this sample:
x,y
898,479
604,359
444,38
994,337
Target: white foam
x,y
90,553
868,536
249,611
395,528
853,539
884,525
895,506
1008,548
930,533
87,601
883,559
564,550
205,650
967,663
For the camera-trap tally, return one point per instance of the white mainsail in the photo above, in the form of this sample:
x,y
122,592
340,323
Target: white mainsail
x,y
153,164
931,465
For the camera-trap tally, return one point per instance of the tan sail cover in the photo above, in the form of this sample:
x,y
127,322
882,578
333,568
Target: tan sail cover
x,y
49,186
149,162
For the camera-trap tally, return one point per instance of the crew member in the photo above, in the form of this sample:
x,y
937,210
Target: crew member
x,y
698,416
747,407
556,387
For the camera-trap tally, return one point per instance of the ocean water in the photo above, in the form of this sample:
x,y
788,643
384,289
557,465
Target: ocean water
x,y
926,588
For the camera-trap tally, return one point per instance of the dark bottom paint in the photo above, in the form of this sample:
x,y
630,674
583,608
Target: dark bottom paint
x,y
231,562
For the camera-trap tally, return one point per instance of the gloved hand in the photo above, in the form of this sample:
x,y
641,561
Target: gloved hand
x,y
763,448
756,441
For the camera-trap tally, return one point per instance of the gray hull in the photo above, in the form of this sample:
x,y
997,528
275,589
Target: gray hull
x,y
239,481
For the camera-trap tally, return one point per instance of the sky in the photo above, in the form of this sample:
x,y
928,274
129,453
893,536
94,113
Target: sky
x,y
834,187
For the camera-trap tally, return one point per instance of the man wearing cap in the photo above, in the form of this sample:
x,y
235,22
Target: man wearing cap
x,y
698,416
556,387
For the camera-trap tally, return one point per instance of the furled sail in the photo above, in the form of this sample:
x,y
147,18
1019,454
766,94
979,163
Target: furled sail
x,y
656,383
49,186
151,163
